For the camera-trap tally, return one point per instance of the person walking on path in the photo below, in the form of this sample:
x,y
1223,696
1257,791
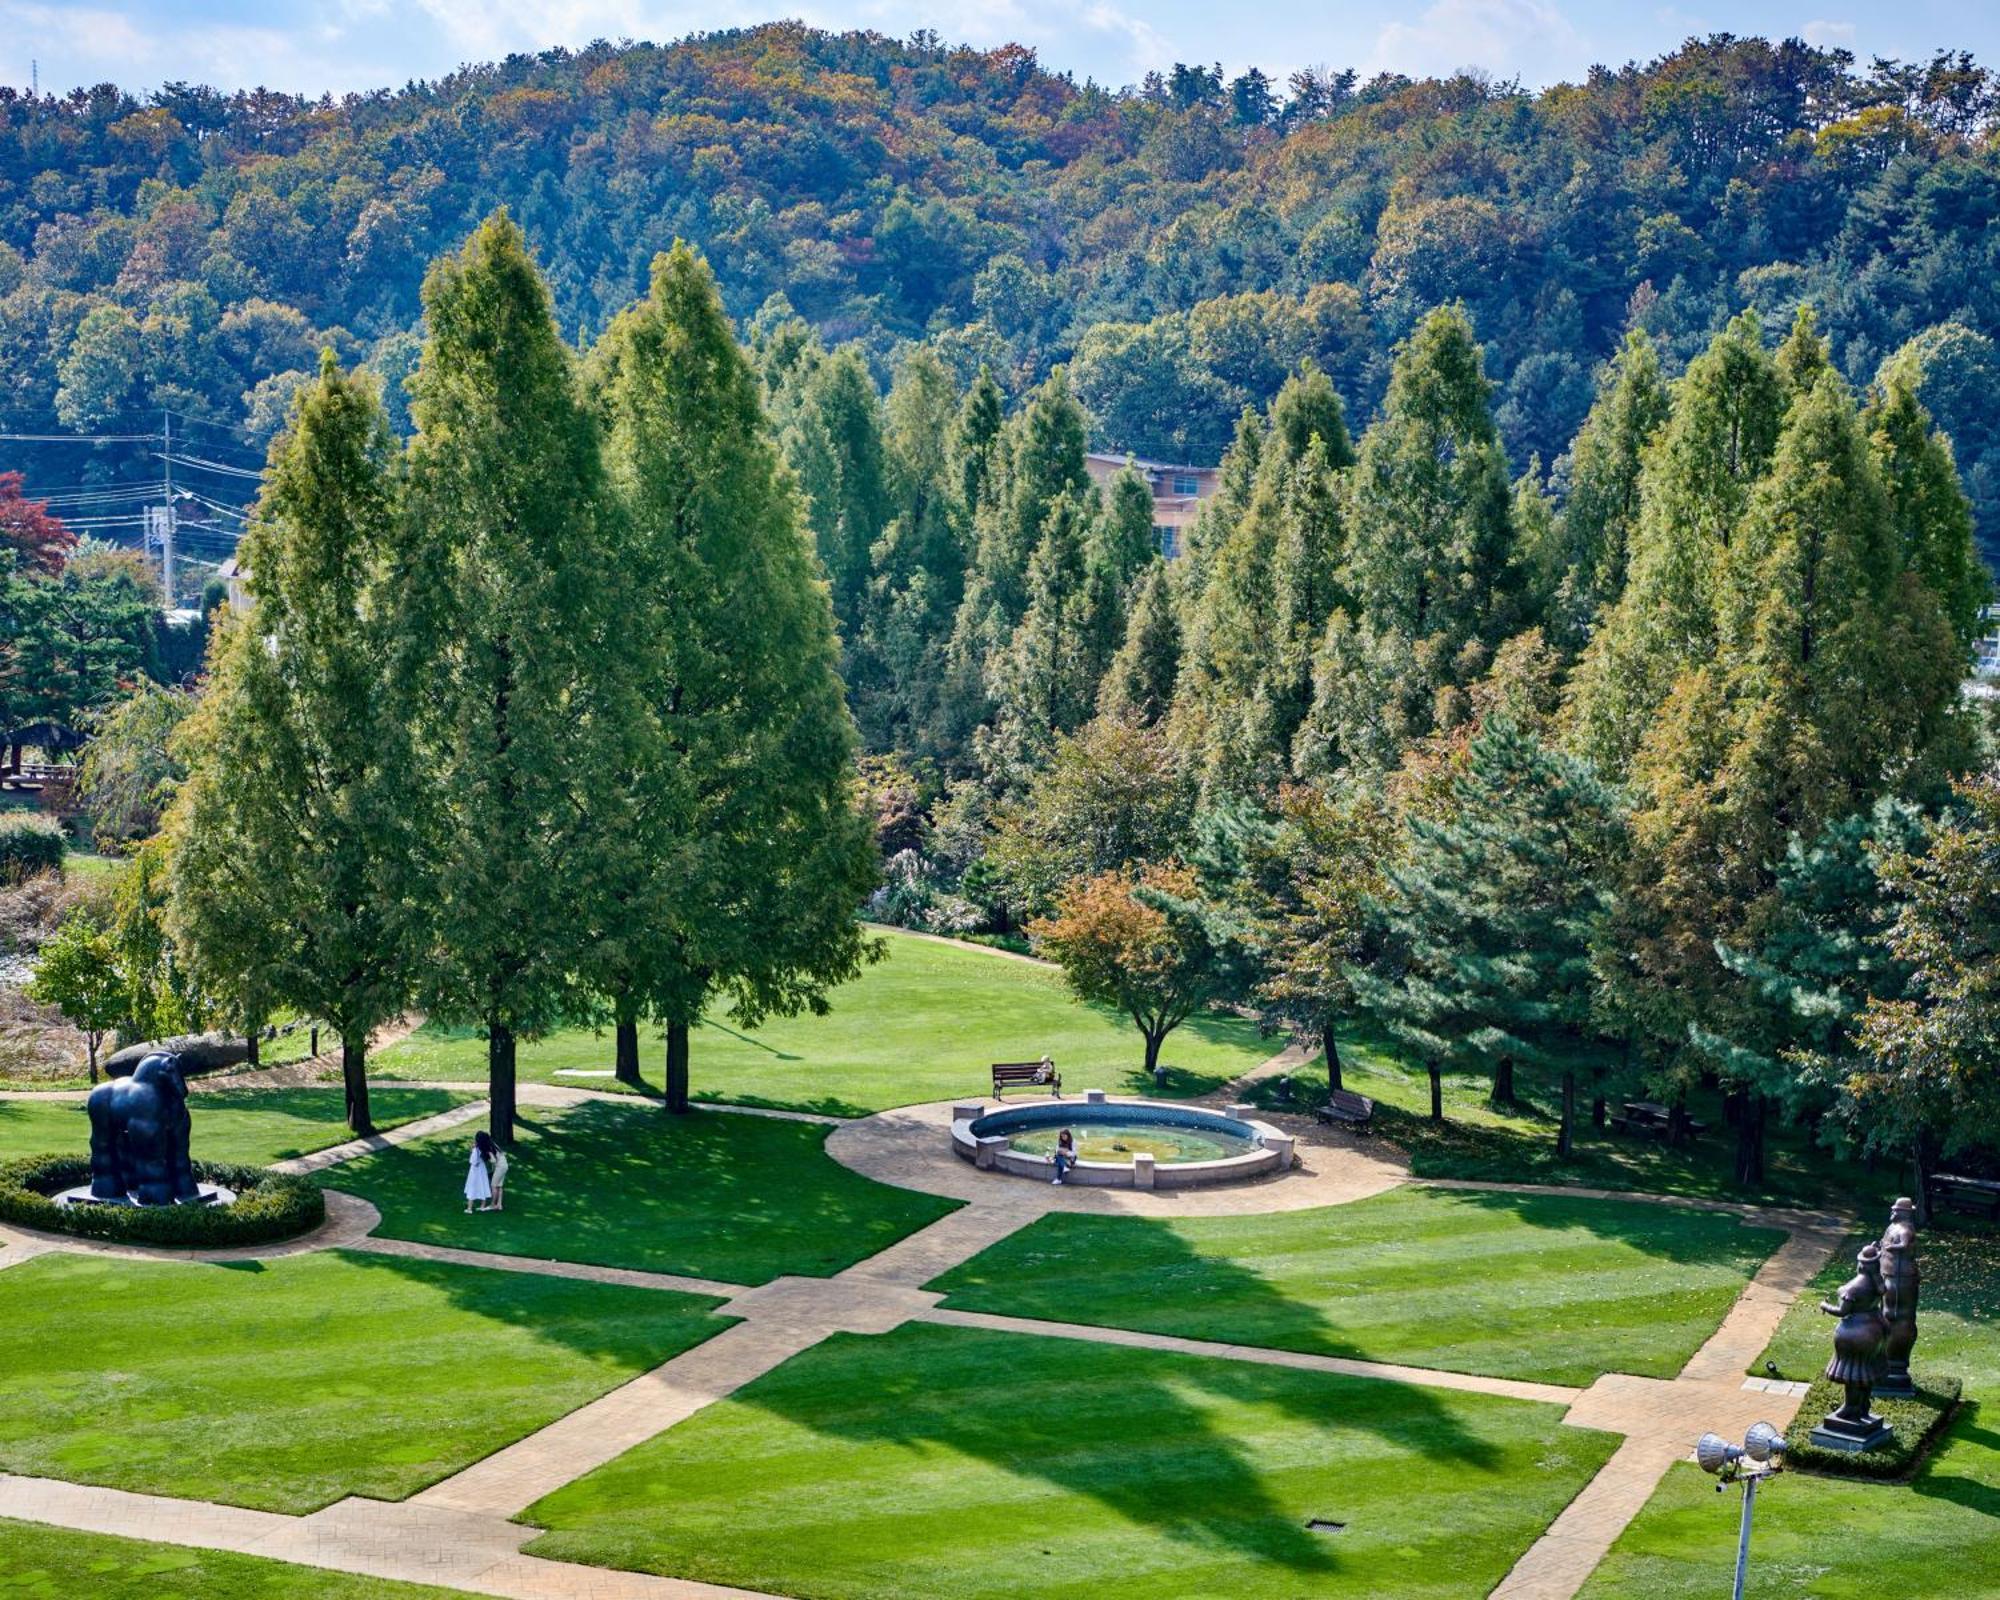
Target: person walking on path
x,y
499,1180
478,1183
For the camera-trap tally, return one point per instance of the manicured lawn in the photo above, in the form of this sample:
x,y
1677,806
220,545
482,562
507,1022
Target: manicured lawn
x,y
1517,1144
709,1195
924,1023
1515,1286
288,1384
1830,1539
38,1563
936,1461
251,1127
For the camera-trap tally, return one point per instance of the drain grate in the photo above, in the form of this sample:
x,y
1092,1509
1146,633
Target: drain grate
x,y
1324,1525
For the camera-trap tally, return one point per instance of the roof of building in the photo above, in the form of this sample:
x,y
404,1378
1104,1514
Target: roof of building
x,y
1119,458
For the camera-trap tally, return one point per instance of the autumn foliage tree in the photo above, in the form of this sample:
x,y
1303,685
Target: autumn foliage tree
x,y
1149,944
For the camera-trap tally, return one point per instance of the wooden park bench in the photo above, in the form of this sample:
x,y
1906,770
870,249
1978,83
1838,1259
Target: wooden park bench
x,y
1344,1105
1979,1197
1026,1075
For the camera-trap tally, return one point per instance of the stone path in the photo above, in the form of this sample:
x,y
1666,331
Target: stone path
x,y
458,1533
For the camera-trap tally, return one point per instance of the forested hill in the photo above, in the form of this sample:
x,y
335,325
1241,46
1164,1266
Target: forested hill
x,y
1182,244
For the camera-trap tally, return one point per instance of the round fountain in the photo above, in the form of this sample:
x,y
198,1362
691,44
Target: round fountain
x,y
1126,1144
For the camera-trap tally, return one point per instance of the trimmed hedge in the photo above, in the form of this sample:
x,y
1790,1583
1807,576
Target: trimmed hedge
x,y
269,1206
30,843
1917,1422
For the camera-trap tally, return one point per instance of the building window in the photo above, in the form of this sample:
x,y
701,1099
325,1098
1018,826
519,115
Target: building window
x,y
1186,484
1169,539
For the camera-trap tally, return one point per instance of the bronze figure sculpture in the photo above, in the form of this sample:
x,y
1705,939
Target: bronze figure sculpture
x,y
1900,1283
1858,1363
139,1137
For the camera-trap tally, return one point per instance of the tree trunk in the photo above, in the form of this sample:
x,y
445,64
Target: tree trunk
x,y
1750,1140
500,1084
90,1042
1153,1043
252,1040
1437,1091
1597,1107
354,1079
1920,1163
1503,1082
1566,1136
627,1060
677,1068
1333,1083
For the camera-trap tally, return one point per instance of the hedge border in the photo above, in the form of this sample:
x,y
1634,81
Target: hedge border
x,y
269,1206
1918,1422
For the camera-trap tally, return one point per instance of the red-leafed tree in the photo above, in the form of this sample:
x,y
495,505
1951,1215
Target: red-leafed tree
x,y
38,540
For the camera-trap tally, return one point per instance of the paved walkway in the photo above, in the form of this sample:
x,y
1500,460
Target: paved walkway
x,y
458,1533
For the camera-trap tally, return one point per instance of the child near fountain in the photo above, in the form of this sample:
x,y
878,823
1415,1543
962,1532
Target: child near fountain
x,y
1065,1156
499,1180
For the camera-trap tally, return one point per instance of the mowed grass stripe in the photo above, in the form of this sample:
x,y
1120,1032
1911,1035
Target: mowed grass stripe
x,y
935,1461
287,1384
1548,1288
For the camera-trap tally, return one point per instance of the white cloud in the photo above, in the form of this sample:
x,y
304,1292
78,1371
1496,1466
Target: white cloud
x,y
1529,37
1829,35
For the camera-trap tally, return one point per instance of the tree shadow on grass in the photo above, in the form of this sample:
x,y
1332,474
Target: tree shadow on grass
x,y
1687,1235
742,1199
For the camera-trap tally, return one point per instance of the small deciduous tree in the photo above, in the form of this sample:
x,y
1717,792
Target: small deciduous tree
x,y
1152,946
77,973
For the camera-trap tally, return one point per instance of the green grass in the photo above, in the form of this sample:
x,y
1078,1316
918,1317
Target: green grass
x,y
287,1384
935,1461
246,1127
1484,1142
85,866
924,1023
39,1563
1516,1286
712,1195
1840,1539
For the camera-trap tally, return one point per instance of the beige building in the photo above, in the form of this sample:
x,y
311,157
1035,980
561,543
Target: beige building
x,y
1178,492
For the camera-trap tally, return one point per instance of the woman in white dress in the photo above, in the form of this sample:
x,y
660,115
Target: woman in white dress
x,y
478,1185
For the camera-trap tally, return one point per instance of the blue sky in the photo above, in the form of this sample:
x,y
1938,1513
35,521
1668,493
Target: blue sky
x,y
313,45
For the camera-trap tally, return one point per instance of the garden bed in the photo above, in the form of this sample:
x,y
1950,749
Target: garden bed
x,y
269,1206
1918,1422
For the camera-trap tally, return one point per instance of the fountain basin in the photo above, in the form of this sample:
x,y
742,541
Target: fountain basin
x,y
1122,1143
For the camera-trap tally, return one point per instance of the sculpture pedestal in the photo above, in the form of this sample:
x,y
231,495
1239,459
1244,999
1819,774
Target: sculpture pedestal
x,y
211,1194
1897,1386
1837,1433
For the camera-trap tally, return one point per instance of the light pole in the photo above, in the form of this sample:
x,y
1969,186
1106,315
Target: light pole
x,y
1761,1454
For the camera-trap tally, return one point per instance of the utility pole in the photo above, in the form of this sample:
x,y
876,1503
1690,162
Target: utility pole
x,y
168,514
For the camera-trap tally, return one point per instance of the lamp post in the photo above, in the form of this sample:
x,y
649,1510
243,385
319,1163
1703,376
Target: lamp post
x,y
1761,1454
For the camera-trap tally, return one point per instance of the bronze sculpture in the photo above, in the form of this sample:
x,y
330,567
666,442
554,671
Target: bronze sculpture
x,y
1900,1283
1858,1363
139,1137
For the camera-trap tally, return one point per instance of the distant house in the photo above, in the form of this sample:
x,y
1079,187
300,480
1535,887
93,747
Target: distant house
x,y
1984,684
231,574
1177,492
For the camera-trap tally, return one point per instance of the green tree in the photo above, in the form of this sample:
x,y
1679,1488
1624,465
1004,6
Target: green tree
x,y
1932,515
747,853
1139,683
1044,683
1431,563
77,973
290,844
504,636
1498,911
838,452
1930,1083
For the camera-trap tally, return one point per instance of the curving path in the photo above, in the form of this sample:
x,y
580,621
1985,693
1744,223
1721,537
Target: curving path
x,y
459,1532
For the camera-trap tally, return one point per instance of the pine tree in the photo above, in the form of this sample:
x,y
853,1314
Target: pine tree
x,y
843,468
753,849
506,642
1498,910
1582,569
1694,491
1139,684
1932,515
288,832
1431,562
1122,546
1045,682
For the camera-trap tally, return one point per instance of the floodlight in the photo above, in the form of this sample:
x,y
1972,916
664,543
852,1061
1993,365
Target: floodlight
x,y
1763,1441
1715,1452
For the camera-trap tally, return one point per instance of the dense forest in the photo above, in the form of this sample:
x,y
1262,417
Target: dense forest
x,y
1182,244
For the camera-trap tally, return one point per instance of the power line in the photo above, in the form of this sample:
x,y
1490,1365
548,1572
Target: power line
x,y
79,438
206,466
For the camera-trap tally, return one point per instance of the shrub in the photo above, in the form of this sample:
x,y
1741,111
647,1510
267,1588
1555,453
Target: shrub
x,y
269,1206
30,843
1917,1422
